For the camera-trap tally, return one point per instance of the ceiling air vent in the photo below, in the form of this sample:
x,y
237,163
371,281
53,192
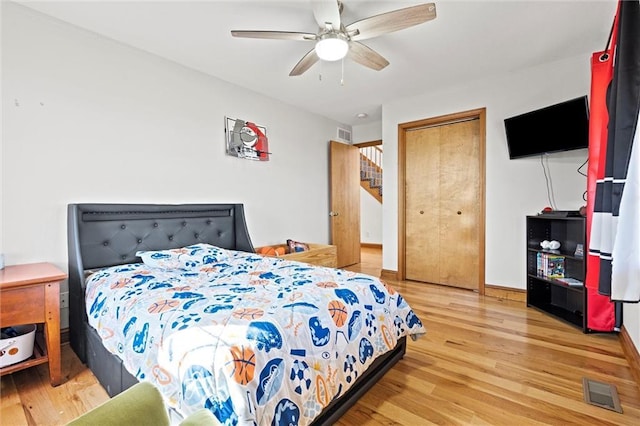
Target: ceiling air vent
x,y
344,135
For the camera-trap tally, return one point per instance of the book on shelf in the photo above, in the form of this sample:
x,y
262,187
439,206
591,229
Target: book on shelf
x,y
570,281
549,265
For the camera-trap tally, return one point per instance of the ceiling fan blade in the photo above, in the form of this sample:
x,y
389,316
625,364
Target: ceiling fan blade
x,y
327,12
279,35
305,63
391,21
366,56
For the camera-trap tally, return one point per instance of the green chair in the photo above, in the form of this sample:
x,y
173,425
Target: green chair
x,y
140,405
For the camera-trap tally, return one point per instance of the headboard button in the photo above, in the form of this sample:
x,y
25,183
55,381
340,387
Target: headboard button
x,y
196,235
123,257
219,233
208,221
155,225
106,243
139,240
184,223
123,226
170,237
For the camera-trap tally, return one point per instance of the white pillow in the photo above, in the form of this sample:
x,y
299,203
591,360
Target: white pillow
x,y
188,257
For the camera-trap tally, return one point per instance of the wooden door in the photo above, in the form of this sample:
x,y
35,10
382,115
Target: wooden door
x,y
443,202
345,202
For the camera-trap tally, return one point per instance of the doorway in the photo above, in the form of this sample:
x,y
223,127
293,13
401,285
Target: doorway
x,y
371,192
441,174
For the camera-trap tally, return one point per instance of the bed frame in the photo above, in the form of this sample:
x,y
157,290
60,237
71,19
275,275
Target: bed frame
x,y
102,235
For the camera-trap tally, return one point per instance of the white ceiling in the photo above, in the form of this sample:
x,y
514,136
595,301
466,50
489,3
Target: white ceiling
x,y
467,40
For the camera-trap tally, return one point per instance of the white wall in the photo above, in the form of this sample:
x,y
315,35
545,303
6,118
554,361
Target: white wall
x,y
370,208
514,188
86,119
370,218
367,132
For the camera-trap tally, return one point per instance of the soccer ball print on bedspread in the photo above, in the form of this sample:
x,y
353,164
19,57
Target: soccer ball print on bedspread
x,y
253,339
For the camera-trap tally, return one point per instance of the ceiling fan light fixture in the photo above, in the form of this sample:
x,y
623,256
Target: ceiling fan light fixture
x,y
332,47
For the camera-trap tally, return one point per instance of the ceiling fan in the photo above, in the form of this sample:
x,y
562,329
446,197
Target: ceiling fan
x,y
334,40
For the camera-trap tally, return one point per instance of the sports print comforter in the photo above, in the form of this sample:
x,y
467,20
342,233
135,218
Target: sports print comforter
x,y
256,340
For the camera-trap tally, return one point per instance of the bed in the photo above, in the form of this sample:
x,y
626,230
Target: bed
x,y
175,295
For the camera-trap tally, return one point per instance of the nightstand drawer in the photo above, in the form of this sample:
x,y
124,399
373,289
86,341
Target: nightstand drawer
x,y
22,305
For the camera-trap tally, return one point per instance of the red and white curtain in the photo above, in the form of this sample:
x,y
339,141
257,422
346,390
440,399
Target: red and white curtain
x,y
613,189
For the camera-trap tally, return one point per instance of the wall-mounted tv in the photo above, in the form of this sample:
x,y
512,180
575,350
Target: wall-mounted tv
x,y
559,127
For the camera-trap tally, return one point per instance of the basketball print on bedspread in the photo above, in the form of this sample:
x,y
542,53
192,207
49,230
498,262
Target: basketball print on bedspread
x,y
163,306
248,313
241,364
338,312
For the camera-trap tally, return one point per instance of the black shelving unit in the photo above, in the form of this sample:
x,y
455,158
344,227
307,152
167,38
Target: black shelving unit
x,y
564,301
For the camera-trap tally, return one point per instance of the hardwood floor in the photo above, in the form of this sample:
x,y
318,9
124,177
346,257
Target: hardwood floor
x,y
483,361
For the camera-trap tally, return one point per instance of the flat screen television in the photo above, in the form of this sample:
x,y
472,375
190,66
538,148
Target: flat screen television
x,y
559,127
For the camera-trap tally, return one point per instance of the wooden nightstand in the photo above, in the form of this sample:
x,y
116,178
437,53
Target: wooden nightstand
x,y
30,293
318,254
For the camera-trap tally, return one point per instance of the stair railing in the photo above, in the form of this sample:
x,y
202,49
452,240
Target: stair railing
x,y
371,169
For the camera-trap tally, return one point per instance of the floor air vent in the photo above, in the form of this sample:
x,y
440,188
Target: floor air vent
x,y
601,394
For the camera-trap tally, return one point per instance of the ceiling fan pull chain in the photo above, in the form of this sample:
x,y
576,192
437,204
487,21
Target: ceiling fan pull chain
x,y
342,77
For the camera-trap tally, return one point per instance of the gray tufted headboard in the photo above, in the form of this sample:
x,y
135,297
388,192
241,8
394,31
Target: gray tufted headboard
x,y
101,235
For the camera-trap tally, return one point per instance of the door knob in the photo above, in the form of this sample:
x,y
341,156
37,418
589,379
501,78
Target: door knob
x,y
333,214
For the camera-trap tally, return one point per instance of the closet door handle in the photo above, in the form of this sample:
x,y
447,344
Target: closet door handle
x,y
333,214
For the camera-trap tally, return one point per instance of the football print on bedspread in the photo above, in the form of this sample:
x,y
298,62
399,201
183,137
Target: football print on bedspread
x,y
271,378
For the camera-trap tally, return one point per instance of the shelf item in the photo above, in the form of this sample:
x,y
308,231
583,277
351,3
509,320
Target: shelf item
x,y
30,294
571,281
555,278
550,265
318,254
16,344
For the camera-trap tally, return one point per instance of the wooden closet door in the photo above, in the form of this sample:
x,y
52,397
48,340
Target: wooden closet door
x,y
442,204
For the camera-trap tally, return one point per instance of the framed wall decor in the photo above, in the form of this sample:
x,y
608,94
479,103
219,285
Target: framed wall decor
x,y
246,140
